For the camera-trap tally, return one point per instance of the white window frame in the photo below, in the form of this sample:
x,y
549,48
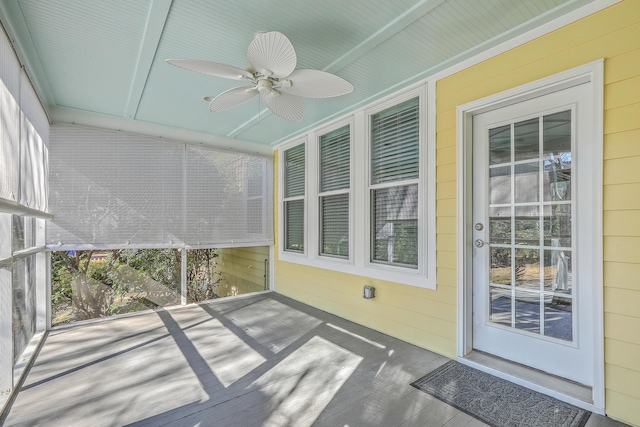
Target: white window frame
x,y
369,263
313,189
284,254
359,261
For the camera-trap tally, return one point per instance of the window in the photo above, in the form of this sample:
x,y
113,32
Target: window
x,y
294,192
334,185
395,167
364,201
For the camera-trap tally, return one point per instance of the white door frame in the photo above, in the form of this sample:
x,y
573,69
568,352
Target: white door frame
x,y
593,73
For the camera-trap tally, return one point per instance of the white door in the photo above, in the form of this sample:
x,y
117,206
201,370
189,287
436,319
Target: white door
x,y
531,281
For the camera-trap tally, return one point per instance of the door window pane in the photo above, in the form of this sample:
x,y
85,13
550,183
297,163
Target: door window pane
x,y
500,185
557,225
500,267
527,139
528,311
557,134
527,268
557,178
558,272
526,182
500,305
527,222
558,317
500,225
500,145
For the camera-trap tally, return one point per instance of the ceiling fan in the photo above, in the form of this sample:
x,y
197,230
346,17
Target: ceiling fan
x,y
272,72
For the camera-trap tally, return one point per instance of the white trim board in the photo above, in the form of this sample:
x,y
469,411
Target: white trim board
x,y
592,72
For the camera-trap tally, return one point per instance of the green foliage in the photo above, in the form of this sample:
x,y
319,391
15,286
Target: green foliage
x,y
91,284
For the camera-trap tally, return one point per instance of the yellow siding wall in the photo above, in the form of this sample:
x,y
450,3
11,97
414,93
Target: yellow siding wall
x,y
242,269
613,34
428,318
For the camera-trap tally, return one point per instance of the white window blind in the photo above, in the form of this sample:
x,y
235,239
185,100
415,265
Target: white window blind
x,y
395,134
9,146
224,203
395,142
9,122
111,189
34,180
335,182
24,131
294,191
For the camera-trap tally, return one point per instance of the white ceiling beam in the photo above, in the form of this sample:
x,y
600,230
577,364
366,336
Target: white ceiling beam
x,y
385,33
139,127
158,13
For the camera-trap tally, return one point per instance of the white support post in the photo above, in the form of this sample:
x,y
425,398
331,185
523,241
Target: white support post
x,y
42,279
6,299
183,277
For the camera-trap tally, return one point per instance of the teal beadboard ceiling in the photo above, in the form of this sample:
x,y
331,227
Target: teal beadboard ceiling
x,y
102,62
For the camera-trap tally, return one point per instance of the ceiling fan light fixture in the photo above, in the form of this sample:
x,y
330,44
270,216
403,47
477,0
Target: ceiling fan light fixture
x,y
273,54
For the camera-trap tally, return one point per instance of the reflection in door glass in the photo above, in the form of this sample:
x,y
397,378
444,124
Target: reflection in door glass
x,y
528,311
527,224
558,274
558,322
500,225
527,139
500,185
500,272
500,307
557,225
557,134
527,268
500,145
557,156
526,182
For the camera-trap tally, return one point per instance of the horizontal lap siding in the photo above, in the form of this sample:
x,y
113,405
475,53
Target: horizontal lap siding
x,y
613,34
243,266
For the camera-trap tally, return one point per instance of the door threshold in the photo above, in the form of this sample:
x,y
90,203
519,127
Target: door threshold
x,y
560,388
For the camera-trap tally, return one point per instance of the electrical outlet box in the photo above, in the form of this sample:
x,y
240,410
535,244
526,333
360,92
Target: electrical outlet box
x,y
368,292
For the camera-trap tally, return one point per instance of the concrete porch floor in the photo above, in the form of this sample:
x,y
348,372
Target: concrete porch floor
x,y
261,360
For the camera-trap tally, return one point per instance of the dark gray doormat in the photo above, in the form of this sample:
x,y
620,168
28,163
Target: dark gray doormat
x,y
498,402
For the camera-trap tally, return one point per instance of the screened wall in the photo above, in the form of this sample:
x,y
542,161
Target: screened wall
x,y
24,138
115,190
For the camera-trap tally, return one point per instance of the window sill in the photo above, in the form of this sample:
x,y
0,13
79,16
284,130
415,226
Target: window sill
x,y
404,276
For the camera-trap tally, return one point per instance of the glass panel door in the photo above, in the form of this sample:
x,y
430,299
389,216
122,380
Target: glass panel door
x,y
530,274
532,282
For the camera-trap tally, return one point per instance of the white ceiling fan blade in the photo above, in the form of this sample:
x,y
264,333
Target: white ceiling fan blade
x,y
316,84
231,98
272,51
289,107
211,68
